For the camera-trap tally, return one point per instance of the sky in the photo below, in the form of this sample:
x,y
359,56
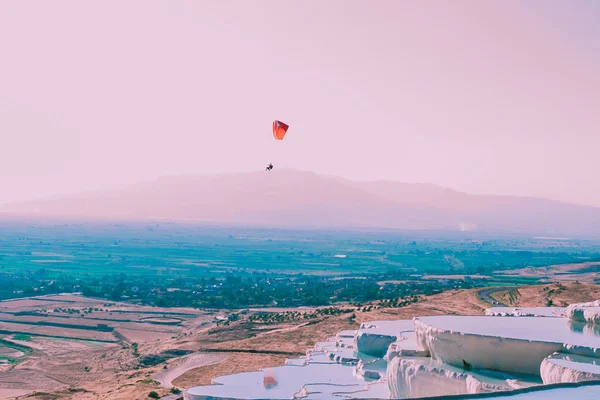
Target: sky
x,y
489,97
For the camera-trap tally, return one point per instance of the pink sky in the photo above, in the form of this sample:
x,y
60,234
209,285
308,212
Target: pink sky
x,y
484,97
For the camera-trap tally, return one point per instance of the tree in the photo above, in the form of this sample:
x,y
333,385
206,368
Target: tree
x,y
153,395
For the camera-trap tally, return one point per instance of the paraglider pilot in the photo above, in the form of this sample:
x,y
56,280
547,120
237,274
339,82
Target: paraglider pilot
x,y
279,131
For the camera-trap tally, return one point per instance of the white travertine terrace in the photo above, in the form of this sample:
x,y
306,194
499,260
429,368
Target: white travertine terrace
x,y
585,312
501,343
527,311
374,369
416,377
509,351
332,368
291,381
375,337
589,315
564,368
405,346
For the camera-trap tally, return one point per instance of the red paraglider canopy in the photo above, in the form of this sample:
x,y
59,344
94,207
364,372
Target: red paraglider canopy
x,y
279,129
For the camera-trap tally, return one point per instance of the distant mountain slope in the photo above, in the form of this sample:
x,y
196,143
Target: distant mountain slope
x,y
304,199
506,213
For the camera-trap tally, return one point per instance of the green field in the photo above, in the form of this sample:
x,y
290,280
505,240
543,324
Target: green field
x,y
179,250
111,260
8,344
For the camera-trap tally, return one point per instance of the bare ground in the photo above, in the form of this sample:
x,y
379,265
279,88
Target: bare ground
x,y
113,372
561,294
234,363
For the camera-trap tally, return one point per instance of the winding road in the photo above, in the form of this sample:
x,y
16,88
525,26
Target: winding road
x,y
184,364
485,295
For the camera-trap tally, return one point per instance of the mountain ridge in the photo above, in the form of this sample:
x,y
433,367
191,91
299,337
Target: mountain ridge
x,y
287,198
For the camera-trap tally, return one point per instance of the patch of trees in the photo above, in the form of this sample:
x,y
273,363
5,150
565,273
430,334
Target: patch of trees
x,y
241,289
155,359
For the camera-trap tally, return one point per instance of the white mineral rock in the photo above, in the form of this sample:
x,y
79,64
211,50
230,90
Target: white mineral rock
x,y
375,337
503,344
564,368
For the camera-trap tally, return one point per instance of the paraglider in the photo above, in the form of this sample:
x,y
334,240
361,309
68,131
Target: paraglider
x,y
279,131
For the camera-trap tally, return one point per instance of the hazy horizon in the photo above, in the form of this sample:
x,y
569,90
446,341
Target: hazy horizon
x,y
127,185
292,198
484,98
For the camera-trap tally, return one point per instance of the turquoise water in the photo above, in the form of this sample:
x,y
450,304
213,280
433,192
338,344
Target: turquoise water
x,y
290,379
577,393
